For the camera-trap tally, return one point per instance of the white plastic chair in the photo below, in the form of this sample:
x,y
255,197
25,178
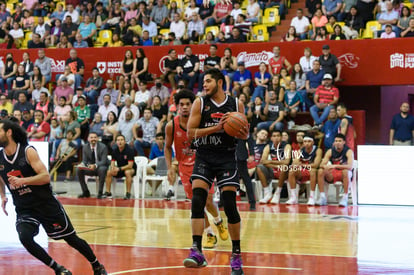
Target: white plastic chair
x,y
141,163
161,174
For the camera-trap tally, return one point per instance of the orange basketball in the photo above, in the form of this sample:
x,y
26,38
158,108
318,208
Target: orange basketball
x,y
234,122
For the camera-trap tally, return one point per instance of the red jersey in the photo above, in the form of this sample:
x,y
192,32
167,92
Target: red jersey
x,y
42,127
182,144
44,108
326,95
277,65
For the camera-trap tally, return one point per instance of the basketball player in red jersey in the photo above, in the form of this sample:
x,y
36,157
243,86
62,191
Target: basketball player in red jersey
x,y
176,133
277,62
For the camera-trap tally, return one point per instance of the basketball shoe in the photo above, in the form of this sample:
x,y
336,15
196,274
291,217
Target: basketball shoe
x,y
100,270
196,259
236,264
210,241
61,270
223,233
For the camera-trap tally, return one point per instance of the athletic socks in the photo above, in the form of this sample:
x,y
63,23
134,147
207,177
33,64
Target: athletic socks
x,y
322,194
171,188
217,219
312,194
209,230
197,241
278,190
236,246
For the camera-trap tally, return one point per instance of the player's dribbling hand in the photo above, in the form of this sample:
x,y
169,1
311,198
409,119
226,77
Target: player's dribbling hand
x,y
16,181
222,121
3,205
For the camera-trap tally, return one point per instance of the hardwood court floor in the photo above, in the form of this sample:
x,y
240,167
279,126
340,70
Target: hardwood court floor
x,y
153,236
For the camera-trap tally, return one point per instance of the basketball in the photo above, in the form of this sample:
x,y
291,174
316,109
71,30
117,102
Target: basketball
x,y
234,122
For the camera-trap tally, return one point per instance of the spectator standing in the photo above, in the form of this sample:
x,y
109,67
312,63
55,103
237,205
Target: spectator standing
x,y
402,127
330,63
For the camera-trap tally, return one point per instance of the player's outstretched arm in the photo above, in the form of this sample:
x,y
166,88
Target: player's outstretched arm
x,y
42,176
193,130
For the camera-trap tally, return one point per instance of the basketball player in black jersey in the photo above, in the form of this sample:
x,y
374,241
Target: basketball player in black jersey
x,y
336,166
215,159
28,181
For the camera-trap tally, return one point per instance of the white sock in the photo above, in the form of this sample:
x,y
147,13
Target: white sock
x,y
171,188
278,190
217,219
209,230
293,194
312,194
322,195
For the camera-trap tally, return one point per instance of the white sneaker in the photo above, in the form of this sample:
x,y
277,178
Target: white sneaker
x,y
290,124
311,201
267,197
344,201
322,201
292,201
275,199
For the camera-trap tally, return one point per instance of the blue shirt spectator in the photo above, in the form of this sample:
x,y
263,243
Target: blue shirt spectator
x,y
314,78
330,128
403,125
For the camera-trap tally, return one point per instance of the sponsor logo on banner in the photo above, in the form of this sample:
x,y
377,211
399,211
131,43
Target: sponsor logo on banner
x,y
110,67
254,59
399,60
350,60
58,66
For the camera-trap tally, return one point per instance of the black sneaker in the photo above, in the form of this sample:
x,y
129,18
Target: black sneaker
x,y
84,195
61,270
169,195
127,196
107,195
252,206
100,270
100,196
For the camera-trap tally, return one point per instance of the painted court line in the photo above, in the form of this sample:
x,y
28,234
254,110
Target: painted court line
x,y
210,266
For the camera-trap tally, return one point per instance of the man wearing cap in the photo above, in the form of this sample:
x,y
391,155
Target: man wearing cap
x,y
304,168
330,63
326,96
242,79
4,114
63,90
40,129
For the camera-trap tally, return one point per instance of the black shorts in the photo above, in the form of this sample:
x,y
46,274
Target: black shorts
x,y
56,223
121,173
222,167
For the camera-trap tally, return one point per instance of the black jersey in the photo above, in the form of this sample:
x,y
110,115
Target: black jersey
x,y
339,157
25,197
278,152
306,157
211,113
258,151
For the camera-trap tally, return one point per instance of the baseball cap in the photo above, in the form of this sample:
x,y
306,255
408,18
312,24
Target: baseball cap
x,y
82,96
240,63
25,111
79,88
327,76
325,47
63,78
4,113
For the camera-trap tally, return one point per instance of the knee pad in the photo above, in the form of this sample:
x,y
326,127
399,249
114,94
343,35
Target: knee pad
x,y
230,207
198,203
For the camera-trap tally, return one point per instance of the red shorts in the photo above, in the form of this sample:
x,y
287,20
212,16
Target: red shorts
x,y
305,175
337,175
185,173
276,173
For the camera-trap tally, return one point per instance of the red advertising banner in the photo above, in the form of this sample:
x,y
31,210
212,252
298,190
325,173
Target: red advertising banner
x,y
365,62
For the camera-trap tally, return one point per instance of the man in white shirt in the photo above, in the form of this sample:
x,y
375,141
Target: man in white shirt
x,y
107,107
74,14
129,106
301,24
42,29
142,96
149,26
177,26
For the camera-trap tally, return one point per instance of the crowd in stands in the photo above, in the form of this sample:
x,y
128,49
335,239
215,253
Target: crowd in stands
x,y
137,106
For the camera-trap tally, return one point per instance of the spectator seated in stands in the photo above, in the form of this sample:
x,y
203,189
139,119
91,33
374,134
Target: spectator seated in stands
x,y
388,33
129,107
63,91
255,113
145,40
157,148
159,111
228,26
69,123
5,104
318,20
300,78
353,23
188,68
409,32
178,26
42,29
37,91
142,96
122,165
190,10
94,163
242,80
221,11
106,107
403,21
8,73
290,36
43,104
148,124
67,152
27,21
21,83
61,109
301,24
326,97
274,111
389,17
69,30
277,62
271,167
150,27
84,115
313,80
195,29
93,86
170,41
292,101
55,138
79,42
23,104
96,125
262,80
159,14
244,26
77,66
236,36
141,64
40,129
340,169
253,11
88,30
109,90
35,43
338,34
17,34
333,8
329,129
110,130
